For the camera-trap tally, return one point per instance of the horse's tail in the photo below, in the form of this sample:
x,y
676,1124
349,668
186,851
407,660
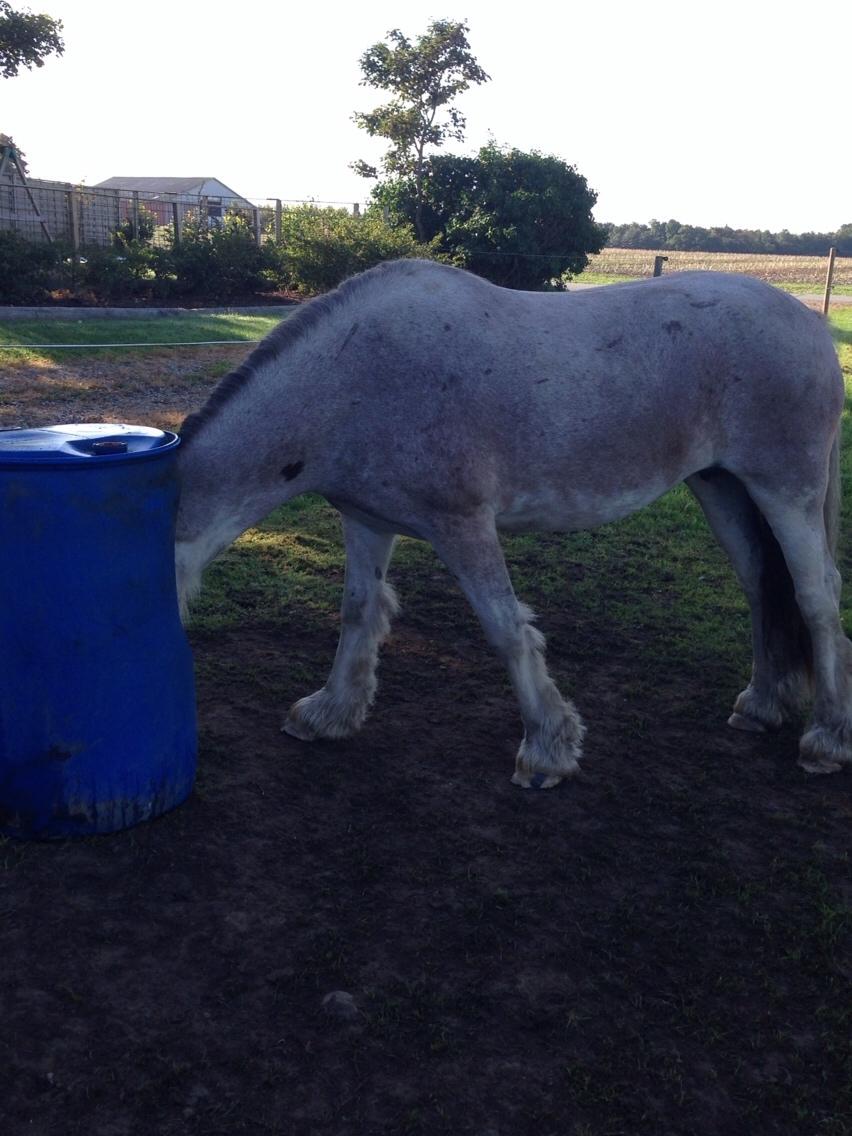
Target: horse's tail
x,y
831,508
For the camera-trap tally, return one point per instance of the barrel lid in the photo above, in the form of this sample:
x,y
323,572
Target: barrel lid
x,y
87,442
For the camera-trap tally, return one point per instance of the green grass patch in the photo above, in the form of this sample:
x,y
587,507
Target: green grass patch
x,y
166,329
602,278
293,561
798,287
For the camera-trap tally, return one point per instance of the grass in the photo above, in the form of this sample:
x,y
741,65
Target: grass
x,y
167,329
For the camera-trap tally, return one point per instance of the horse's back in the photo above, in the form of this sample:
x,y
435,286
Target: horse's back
x,y
565,409
689,319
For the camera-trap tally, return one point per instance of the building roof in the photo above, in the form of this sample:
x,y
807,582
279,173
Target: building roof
x,y
164,185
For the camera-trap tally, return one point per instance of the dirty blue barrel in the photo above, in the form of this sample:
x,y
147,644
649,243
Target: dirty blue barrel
x,y
97,699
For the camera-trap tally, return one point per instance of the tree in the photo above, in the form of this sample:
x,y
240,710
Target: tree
x,y
424,76
25,39
519,219
843,240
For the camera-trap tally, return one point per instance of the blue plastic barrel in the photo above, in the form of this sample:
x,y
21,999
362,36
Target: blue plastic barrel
x,y
97,699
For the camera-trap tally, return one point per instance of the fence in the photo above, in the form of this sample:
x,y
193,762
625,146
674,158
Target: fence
x,y
772,267
81,216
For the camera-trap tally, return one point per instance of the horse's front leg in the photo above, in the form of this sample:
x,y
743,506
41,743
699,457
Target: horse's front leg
x,y
553,732
369,603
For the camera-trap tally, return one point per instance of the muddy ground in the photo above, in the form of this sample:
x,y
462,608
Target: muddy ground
x,y
383,936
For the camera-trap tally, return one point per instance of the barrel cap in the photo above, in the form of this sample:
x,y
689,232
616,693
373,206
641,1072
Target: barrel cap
x,y
83,442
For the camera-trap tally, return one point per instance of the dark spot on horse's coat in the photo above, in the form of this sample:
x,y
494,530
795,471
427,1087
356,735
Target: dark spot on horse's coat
x,y
448,327
673,327
349,335
292,470
612,343
487,371
378,573
488,315
703,303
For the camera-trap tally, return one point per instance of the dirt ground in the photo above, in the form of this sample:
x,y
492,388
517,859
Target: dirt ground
x,y
383,936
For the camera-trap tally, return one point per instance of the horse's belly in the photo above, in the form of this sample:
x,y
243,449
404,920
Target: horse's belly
x,y
557,511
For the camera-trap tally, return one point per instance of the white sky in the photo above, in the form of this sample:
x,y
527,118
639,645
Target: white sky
x,y
733,113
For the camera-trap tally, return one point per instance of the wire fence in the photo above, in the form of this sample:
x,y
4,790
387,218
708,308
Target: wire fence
x,y
82,216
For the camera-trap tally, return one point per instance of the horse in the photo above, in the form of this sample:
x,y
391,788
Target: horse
x,y
421,400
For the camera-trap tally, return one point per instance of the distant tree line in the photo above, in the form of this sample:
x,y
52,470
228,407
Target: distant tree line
x,y
693,238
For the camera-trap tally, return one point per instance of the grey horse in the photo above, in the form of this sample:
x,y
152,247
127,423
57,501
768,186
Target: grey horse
x,y
419,399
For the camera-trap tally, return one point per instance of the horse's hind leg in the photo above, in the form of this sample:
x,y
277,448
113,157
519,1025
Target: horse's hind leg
x,y
369,603
553,731
780,678
801,533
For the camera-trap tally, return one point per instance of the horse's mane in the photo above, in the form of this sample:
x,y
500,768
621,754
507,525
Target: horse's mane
x,y
288,332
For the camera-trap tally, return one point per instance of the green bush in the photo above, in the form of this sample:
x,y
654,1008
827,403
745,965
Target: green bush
x,y
321,247
519,219
28,269
219,263
122,272
124,234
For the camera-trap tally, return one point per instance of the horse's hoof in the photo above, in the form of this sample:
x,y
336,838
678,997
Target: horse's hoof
x,y
818,765
536,780
298,729
749,725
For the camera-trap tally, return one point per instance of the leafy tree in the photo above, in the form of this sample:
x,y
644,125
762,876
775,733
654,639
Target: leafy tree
x,y
424,77
843,240
520,219
26,39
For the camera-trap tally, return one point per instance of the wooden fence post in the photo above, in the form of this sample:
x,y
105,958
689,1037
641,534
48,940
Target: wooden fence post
x,y
277,221
135,214
177,221
832,253
356,210
74,212
258,237
659,261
